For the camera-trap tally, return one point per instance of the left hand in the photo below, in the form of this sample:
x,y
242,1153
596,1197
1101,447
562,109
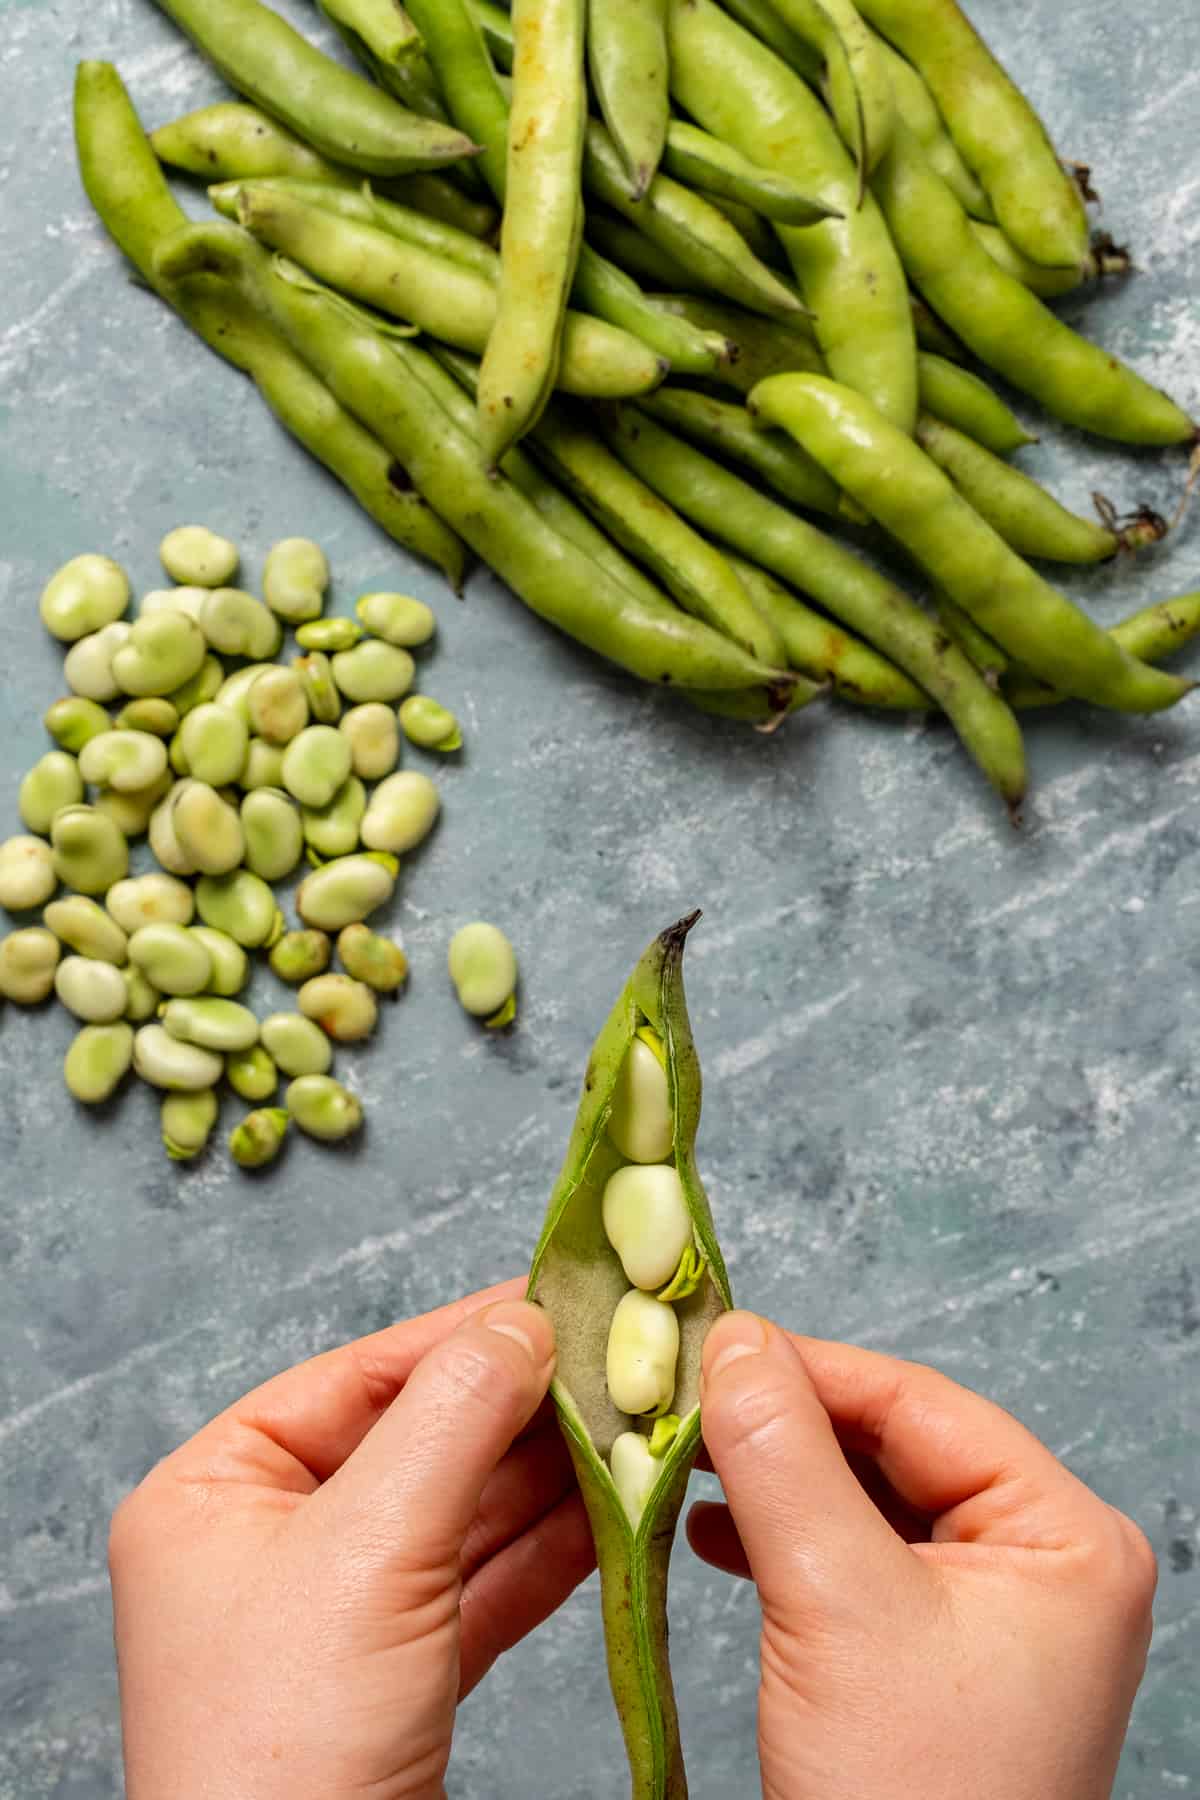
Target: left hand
x,y
305,1591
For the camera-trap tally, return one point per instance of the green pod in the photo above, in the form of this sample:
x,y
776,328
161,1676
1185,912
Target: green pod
x,y
366,205
702,161
230,142
969,404
627,62
847,268
650,531
762,346
1003,323
339,113
906,493
1030,520
606,290
1153,634
430,290
578,1278
824,650
689,228
731,432
982,650
402,395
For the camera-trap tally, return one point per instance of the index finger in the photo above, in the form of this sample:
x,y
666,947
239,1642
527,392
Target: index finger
x,y
297,1429
974,1470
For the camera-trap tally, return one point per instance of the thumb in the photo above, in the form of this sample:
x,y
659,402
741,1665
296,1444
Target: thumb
x,y
815,1543
406,1498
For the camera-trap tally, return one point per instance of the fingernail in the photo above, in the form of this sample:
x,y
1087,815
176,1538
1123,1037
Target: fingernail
x,y
737,1334
525,1325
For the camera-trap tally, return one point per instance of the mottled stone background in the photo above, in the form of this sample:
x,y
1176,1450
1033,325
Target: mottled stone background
x,y
951,1072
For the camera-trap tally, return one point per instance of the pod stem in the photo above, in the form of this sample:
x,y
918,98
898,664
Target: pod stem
x,y
1137,529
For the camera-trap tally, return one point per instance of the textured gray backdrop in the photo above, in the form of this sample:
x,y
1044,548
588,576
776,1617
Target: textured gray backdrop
x,y
951,1072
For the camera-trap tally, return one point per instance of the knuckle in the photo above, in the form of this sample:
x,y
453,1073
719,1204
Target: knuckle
x,y
126,1530
1138,1570
1122,1569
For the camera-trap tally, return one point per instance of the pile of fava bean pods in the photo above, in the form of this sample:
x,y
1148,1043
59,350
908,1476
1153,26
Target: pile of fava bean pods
x,y
618,296
237,777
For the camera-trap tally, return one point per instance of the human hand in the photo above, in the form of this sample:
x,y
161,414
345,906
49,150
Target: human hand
x,y
946,1610
304,1591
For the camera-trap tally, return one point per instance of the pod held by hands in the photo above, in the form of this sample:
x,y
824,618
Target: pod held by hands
x,y
579,1278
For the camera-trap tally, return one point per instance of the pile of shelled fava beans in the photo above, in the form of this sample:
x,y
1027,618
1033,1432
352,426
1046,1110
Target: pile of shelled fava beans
x,y
616,297
235,778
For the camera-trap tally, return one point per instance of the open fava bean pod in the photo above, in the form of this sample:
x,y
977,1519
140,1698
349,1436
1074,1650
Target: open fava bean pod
x,y
613,1216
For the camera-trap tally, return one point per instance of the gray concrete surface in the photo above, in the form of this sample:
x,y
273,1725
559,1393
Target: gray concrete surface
x,y
951,1072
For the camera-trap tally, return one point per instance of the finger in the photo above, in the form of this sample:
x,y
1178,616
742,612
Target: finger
x,y
296,1429
534,1476
406,1499
813,1539
714,1537
523,1585
972,1468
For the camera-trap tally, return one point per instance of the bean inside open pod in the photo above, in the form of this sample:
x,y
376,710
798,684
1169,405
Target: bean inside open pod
x,y
579,1278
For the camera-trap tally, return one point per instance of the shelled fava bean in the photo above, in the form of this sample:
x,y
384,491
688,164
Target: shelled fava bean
x,y
646,1220
233,774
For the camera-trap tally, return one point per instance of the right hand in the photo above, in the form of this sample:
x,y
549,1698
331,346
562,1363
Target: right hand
x,y
946,1609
